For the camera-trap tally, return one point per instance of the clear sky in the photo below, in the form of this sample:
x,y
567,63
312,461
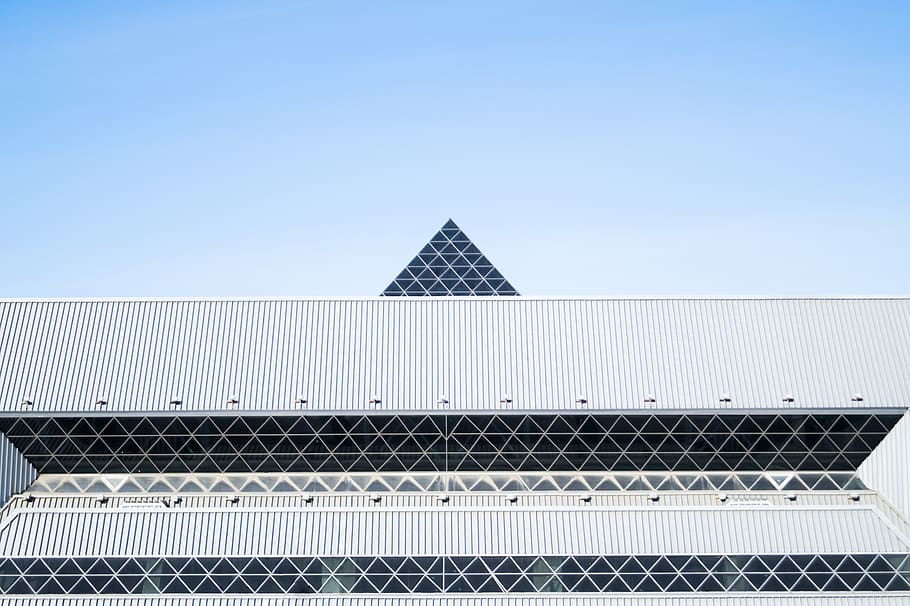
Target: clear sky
x,y
588,148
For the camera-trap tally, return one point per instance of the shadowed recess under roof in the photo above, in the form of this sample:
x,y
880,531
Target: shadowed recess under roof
x,y
449,265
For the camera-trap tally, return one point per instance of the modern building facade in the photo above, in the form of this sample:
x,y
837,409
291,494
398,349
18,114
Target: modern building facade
x,y
451,442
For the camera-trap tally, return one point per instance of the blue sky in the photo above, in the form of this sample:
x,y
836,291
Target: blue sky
x,y
588,148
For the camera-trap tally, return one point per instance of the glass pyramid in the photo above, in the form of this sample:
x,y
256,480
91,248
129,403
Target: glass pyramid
x,y
450,265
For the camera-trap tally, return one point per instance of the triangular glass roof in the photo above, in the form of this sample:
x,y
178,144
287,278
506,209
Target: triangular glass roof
x,y
449,265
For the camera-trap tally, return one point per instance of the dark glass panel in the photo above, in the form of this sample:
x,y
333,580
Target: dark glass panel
x,y
476,442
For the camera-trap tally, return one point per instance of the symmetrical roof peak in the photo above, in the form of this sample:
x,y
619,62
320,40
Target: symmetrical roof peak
x,y
449,265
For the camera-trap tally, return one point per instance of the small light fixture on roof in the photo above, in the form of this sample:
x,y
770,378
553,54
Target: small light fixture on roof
x,y
725,398
443,399
790,496
653,496
232,499
375,497
722,497
650,399
444,498
585,498
581,399
175,401
233,399
29,498
505,399
857,397
103,499
853,496
788,399
512,498
102,401
26,402
301,400
375,399
307,498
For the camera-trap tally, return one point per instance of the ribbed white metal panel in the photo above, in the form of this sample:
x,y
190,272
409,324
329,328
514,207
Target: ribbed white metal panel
x,y
887,470
598,531
138,354
16,474
769,599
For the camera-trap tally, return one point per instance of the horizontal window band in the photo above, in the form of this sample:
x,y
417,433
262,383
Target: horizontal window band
x,y
430,482
462,574
454,443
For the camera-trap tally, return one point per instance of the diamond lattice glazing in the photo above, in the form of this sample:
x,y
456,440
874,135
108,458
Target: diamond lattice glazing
x,y
462,575
449,265
448,443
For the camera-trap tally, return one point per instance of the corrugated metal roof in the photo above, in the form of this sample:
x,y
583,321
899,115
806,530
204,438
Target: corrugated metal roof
x,y
768,599
137,355
151,531
15,472
886,468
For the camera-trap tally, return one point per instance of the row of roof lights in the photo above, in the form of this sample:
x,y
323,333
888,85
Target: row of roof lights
x,y
580,399
654,497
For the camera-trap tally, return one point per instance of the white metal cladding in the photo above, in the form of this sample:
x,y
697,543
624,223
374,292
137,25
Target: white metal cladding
x,y
137,355
16,474
402,501
366,532
886,469
827,599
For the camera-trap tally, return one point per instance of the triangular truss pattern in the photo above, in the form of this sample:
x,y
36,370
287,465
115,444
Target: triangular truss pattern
x,y
449,265
836,572
430,482
453,443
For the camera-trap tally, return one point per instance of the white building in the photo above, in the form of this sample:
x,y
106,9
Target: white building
x,y
474,450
